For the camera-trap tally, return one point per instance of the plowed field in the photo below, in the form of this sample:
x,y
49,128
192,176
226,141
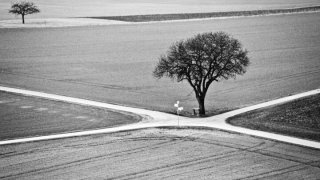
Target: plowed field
x,y
159,154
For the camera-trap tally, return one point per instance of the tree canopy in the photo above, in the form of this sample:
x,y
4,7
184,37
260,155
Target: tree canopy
x,y
24,8
201,60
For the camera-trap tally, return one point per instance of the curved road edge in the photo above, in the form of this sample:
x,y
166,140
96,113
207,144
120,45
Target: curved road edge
x,y
159,119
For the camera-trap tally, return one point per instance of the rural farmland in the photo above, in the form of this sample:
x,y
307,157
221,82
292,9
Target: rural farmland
x,y
79,100
114,63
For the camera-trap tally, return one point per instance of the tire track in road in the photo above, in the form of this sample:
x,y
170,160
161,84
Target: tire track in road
x,y
277,172
41,149
191,162
181,164
253,176
262,149
53,147
168,141
257,149
206,159
286,157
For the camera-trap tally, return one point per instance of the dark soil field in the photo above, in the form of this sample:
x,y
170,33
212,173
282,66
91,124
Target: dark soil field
x,y
22,116
159,154
168,17
300,118
114,64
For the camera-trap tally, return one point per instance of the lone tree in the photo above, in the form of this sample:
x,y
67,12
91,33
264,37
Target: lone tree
x,y
201,60
24,8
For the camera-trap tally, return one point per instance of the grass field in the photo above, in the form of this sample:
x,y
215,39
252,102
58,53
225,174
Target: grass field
x,y
300,118
168,17
159,154
83,8
23,116
114,64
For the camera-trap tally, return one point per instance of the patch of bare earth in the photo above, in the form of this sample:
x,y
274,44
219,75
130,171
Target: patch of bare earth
x,y
159,154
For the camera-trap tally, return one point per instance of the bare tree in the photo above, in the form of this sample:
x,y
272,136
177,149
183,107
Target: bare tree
x,y
24,8
201,60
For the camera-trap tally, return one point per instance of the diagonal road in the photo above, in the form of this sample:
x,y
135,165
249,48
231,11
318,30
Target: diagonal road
x,y
159,119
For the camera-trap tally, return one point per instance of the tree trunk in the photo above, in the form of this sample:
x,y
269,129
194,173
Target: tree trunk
x,y
22,19
202,110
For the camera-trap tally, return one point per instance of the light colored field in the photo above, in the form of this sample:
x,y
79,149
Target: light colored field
x,y
115,63
159,154
56,22
81,8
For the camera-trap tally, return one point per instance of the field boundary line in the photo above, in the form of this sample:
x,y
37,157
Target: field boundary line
x,y
146,18
160,119
86,21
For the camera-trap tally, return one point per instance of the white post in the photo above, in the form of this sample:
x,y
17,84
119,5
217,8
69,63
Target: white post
x,y
178,119
179,109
